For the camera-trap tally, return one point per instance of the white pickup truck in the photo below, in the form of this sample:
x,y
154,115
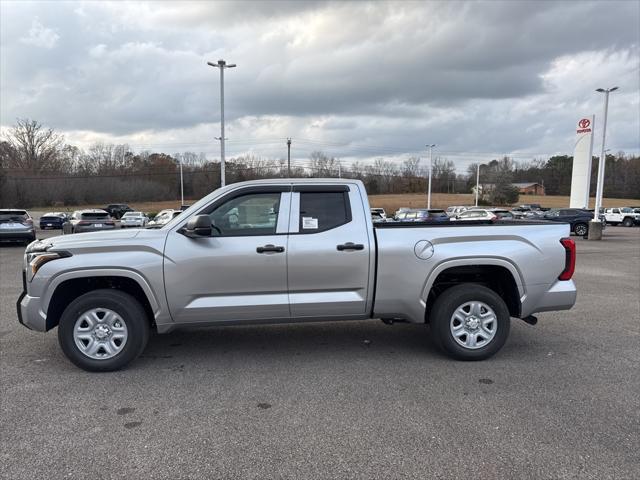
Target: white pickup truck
x,y
292,250
624,215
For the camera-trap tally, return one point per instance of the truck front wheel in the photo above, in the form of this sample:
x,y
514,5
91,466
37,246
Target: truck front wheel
x,y
628,222
470,322
103,330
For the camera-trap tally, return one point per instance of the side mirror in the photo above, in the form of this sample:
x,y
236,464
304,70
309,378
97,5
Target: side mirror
x,y
198,226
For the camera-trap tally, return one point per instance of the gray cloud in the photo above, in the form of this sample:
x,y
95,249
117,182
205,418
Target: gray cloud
x,y
472,75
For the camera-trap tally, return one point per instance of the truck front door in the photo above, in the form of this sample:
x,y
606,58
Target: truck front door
x,y
239,273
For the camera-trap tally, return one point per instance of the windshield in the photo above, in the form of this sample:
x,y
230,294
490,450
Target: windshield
x,y
132,214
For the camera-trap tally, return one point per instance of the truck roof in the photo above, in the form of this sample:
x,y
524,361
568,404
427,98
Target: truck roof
x,y
285,181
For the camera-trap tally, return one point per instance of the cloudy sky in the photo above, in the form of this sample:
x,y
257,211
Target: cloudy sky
x,y
357,80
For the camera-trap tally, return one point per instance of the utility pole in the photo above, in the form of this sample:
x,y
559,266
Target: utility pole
x,y
477,182
430,169
222,65
289,157
595,227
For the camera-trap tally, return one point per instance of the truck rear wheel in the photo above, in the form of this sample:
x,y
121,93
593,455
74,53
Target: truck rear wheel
x,y
103,330
470,322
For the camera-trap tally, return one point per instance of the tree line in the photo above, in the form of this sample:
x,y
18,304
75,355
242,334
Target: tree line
x,y
38,168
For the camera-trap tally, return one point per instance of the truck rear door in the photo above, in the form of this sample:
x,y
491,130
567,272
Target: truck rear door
x,y
328,259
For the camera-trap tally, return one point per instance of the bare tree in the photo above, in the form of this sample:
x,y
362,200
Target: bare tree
x,y
34,147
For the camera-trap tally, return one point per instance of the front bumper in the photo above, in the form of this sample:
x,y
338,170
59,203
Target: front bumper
x,y
29,313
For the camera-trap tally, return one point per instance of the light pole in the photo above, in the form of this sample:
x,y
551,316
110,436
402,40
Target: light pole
x,y
181,185
477,182
595,230
222,65
288,157
430,169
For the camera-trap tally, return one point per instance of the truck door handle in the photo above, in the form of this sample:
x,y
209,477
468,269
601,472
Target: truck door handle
x,y
350,246
270,248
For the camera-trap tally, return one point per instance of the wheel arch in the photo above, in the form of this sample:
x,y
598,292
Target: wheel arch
x,y
69,286
499,275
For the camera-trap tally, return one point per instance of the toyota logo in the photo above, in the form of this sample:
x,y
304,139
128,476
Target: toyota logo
x,y
584,123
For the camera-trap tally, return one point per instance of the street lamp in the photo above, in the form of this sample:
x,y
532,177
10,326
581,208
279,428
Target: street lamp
x,y
477,182
430,147
181,183
222,65
597,231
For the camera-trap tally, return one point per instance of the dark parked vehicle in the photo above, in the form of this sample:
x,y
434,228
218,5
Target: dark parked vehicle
x,y
16,226
53,220
578,219
117,210
89,221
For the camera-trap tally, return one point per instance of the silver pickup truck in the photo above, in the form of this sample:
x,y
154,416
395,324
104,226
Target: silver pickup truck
x,y
293,251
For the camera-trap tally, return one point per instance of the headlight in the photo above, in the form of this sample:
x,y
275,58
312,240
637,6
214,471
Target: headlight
x,y
36,259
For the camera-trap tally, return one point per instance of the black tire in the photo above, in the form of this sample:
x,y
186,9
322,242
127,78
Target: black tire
x,y
129,310
581,229
445,306
628,222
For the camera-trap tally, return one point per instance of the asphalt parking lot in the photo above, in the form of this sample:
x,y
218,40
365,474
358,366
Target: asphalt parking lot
x,y
339,400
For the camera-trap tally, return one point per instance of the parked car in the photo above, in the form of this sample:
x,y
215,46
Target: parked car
x,y
534,214
293,258
117,210
455,210
89,220
134,219
501,213
163,217
476,214
397,213
624,215
378,215
531,206
423,215
576,217
520,212
16,225
53,220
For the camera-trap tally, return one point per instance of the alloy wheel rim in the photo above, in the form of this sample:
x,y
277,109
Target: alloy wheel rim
x,y
100,333
473,325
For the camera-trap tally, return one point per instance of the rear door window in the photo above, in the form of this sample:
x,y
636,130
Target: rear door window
x,y
321,211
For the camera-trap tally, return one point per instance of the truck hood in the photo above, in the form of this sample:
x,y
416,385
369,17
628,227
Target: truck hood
x,y
114,239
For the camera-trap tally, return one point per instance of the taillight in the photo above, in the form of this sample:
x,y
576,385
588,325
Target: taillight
x,y
570,259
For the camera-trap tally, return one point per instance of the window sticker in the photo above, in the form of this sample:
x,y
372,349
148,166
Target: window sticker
x,y
309,223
